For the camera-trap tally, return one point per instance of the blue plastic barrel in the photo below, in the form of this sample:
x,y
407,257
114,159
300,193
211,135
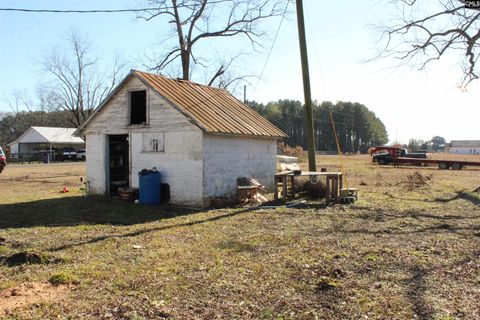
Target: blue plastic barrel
x,y
149,188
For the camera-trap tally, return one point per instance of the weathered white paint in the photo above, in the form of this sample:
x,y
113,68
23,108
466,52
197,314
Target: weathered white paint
x,y
228,158
181,161
162,117
197,166
96,162
180,165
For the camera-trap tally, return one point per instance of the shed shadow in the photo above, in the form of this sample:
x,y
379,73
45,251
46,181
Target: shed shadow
x,y
71,211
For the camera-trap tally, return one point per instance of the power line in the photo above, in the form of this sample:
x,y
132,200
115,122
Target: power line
x,y
271,48
316,52
165,7
76,11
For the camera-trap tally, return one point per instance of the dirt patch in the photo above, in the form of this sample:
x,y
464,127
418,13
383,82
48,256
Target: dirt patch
x,y
28,257
29,293
416,180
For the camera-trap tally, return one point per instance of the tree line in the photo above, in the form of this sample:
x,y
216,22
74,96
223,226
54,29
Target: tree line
x,y
437,143
13,125
357,127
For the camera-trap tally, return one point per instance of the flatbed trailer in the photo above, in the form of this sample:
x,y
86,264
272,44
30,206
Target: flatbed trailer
x,y
442,164
394,156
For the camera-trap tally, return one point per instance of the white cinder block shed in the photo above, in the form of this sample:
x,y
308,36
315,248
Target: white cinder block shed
x,y
200,138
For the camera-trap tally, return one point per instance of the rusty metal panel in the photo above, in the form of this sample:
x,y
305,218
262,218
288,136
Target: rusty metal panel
x,y
214,110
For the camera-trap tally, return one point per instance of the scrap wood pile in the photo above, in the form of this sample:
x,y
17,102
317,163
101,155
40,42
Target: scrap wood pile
x,y
416,180
411,182
250,190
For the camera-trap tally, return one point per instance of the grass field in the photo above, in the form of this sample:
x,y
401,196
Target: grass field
x,y
408,249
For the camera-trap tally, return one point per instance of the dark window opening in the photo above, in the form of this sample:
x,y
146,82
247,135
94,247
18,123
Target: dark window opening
x,y
138,107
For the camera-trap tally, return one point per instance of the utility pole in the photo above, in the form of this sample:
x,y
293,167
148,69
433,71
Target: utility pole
x,y
312,165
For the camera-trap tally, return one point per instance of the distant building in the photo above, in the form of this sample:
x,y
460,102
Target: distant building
x,y
44,139
464,147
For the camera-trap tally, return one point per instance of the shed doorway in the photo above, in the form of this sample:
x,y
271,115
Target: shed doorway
x,y
118,168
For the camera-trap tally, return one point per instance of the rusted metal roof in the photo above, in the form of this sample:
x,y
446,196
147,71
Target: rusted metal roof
x,y
213,110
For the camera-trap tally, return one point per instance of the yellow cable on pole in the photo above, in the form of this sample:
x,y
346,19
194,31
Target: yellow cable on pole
x,y
339,150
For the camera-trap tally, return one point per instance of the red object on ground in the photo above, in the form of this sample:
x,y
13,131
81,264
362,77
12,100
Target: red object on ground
x,y
65,189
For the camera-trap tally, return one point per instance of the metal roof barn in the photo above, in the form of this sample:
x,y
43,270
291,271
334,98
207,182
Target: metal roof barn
x,y
36,138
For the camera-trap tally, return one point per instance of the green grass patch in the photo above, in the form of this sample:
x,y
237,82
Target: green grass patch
x,y
63,279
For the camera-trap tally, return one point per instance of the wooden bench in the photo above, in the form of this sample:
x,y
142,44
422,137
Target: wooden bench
x,y
286,181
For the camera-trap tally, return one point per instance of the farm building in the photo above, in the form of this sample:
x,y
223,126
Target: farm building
x,y
464,147
45,139
200,138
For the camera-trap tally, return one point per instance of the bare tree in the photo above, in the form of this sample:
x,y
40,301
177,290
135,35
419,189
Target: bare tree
x,y
200,21
429,30
19,101
45,99
76,83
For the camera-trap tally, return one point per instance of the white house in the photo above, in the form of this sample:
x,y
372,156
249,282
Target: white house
x,y
200,138
464,147
41,139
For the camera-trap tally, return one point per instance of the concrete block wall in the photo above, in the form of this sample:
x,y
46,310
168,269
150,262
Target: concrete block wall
x,y
180,165
227,158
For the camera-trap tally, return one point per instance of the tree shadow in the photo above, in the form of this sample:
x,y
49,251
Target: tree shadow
x,y
70,211
438,228
416,293
459,195
34,178
469,196
144,231
430,223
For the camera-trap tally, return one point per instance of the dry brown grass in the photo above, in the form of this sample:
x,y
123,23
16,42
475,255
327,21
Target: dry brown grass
x,y
23,183
395,254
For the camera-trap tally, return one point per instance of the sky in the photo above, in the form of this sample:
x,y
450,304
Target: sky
x,y
341,39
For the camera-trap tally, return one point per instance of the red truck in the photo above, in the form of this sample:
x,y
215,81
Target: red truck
x,y
397,156
3,160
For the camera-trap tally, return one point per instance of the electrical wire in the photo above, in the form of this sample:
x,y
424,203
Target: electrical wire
x,y
271,48
316,51
76,11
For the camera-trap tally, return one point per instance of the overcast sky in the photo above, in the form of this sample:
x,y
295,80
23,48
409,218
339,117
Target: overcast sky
x,y
341,37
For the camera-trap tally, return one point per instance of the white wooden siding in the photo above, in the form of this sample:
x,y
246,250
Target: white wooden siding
x,y
96,162
115,117
181,161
